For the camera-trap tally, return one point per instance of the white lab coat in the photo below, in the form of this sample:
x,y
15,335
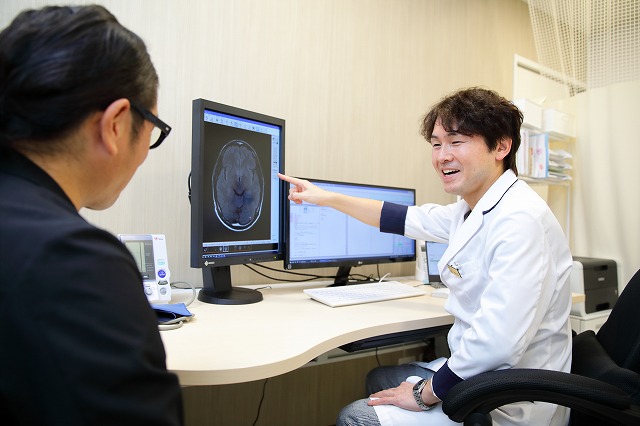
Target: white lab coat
x,y
512,300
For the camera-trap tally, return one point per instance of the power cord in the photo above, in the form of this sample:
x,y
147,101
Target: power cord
x,y
264,388
178,322
310,277
189,187
385,276
194,293
171,325
359,278
378,357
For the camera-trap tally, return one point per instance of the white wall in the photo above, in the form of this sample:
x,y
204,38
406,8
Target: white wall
x,y
352,79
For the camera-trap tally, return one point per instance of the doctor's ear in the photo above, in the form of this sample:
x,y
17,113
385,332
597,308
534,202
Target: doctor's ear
x,y
503,148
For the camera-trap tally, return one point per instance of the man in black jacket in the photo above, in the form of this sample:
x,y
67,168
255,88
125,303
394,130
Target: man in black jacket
x,y
79,344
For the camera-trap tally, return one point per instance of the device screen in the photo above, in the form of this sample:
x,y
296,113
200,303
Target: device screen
x,y
142,252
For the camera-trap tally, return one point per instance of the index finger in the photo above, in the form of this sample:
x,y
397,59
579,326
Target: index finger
x,y
290,179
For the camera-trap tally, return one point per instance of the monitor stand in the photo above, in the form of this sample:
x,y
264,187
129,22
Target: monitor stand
x,y
217,288
342,277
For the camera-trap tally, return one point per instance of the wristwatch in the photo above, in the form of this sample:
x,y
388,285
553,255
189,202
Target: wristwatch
x,y
417,394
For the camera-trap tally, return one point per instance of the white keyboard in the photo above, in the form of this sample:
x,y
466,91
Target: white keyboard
x,y
363,293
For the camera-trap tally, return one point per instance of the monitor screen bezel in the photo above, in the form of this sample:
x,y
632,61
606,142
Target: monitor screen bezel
x,y
351,262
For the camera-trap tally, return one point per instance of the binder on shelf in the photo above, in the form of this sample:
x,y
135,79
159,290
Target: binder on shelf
x,y
532,159
535,159
522,155
540,155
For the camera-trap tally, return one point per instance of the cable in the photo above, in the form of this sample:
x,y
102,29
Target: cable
x,y
189,187
311,276
170,326
193,290
293,273
362,279
368,278
276,279
178,322
264,387
358,278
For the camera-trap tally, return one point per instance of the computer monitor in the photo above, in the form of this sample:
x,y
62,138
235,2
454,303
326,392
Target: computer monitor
x,y
319,237
434,252
237,199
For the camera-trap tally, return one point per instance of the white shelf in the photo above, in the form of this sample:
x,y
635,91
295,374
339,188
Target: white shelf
x,y
546,181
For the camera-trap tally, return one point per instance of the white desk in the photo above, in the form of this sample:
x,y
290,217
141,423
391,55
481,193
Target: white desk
x,y
241,343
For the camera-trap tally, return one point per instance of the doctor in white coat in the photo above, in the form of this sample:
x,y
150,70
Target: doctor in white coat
x,y
507,267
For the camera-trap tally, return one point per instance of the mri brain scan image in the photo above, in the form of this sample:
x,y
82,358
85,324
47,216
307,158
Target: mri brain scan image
x,y
238,186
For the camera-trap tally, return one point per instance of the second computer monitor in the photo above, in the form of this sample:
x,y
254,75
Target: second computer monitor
x,y
434,252
320,237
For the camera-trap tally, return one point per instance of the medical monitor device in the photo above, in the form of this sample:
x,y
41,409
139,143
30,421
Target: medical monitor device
x,y
237,199
434,252
319,237
150,253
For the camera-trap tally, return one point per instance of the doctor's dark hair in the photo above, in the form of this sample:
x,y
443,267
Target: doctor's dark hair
x,y
58,65
476,111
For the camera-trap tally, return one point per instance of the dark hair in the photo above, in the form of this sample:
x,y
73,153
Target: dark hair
x,y
477,111
60,64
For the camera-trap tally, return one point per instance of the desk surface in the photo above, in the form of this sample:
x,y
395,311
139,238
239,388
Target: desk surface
x,y
241,343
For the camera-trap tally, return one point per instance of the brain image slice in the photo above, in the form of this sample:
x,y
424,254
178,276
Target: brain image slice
x,y
238,186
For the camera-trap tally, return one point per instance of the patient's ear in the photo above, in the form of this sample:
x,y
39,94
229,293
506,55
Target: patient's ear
x,y
115,125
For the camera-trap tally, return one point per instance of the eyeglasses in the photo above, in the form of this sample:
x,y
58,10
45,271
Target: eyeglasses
x,y
160,130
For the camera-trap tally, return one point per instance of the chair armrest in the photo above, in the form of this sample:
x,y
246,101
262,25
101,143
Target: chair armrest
x,y
488,391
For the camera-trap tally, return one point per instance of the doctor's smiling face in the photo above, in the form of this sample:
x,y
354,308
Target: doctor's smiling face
x,y
474,134
465,163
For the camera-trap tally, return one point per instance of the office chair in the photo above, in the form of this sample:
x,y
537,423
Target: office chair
x,y
603,387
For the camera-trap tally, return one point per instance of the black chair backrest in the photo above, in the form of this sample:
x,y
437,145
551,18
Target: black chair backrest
x,y
620,334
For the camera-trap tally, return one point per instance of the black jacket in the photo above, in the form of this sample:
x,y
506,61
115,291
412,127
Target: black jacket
x,y
79,344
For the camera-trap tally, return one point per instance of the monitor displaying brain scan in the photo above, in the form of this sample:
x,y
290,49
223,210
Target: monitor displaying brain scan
x,y
237,199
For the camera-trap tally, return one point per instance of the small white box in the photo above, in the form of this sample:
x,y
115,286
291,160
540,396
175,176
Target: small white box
x,y
531,111
558,123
